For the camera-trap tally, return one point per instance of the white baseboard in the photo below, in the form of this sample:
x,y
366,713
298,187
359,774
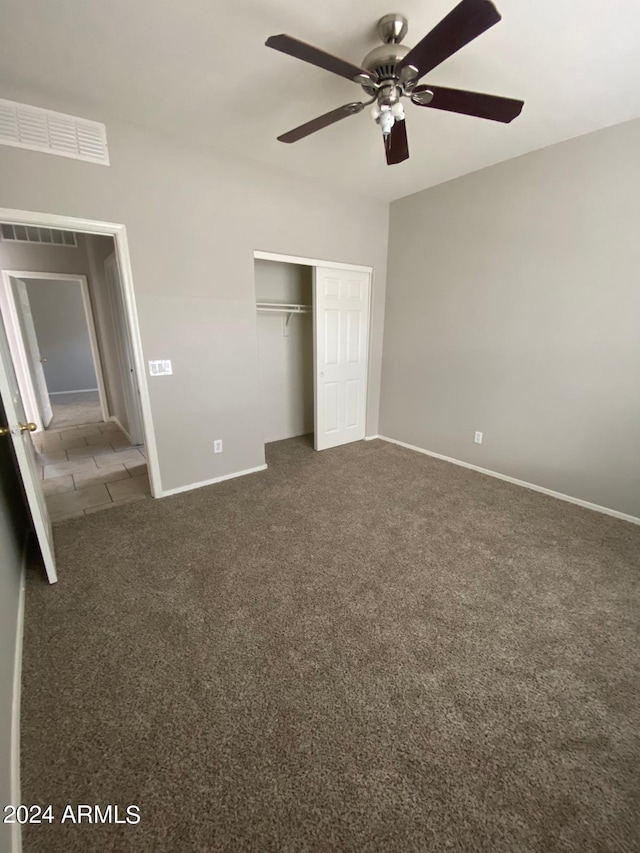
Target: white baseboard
x,y
75,391
212,482
16,833
370,437
568,498
120,427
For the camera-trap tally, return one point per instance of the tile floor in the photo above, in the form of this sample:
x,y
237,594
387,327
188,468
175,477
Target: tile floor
x,y
88,468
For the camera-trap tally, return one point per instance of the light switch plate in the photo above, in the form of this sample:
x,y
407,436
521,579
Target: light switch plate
x,y
160,368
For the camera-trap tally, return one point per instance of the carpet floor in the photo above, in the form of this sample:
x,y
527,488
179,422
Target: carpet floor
x,y
75,408
362,650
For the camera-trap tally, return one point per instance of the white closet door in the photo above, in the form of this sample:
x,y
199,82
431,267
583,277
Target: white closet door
x,y
341,342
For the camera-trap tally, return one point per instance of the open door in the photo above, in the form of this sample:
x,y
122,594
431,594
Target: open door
x,y
125,350
18,433
32,349
341,343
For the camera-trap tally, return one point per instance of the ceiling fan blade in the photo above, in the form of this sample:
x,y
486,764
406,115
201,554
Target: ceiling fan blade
x,y
396,145
493,107
463,24
315,56
321,122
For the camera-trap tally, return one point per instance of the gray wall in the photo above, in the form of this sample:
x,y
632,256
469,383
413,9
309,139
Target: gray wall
x,y
513,308
286,361
30,257
194,219
13,528
98,250
58,315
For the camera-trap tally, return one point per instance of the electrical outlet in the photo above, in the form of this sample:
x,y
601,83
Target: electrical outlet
x,y
478,438
217,445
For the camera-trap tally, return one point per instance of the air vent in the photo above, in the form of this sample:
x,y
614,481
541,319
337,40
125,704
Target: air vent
x,y
23,126
31,234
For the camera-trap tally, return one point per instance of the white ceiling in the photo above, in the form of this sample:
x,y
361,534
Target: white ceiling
x,y
200,67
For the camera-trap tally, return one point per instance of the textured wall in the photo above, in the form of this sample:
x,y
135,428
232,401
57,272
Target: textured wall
x,y
58,315
31,257
102,301
513,307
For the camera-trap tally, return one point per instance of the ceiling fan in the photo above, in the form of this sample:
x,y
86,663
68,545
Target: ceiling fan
x,y
391,72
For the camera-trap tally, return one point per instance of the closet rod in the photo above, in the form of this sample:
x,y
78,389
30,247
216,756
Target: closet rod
x,y
286,308
283,307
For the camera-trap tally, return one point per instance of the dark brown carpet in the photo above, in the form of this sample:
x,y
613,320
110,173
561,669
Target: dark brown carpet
x,y
358,650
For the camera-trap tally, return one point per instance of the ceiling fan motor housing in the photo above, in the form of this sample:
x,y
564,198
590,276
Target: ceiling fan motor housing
x,y
382,60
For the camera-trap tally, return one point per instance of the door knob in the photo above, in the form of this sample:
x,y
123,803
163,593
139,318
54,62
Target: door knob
x,y
30,427
4,430
42,360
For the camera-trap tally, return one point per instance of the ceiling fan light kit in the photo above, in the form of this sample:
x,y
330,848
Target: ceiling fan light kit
x,y
392,70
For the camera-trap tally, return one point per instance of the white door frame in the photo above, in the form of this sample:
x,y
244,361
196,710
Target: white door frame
x,y
307,262
259,255
134,431
119,234
15,336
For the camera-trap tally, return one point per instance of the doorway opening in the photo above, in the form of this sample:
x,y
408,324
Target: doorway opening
x,y
72,377
285,341
54,344
313,341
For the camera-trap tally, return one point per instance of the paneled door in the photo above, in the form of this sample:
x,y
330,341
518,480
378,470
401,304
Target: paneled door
x,y
17,431
29,337
341,347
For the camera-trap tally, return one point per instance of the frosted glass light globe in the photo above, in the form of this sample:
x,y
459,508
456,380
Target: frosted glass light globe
x,y
386,122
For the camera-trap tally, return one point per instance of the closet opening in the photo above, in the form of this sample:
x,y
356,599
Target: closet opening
x,y
313,342
285,341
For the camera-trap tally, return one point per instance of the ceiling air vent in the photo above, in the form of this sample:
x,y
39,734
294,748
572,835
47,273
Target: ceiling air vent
x,y
31,234
23,126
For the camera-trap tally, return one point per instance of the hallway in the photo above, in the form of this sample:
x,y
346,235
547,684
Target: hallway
x,y
73,408
88,468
